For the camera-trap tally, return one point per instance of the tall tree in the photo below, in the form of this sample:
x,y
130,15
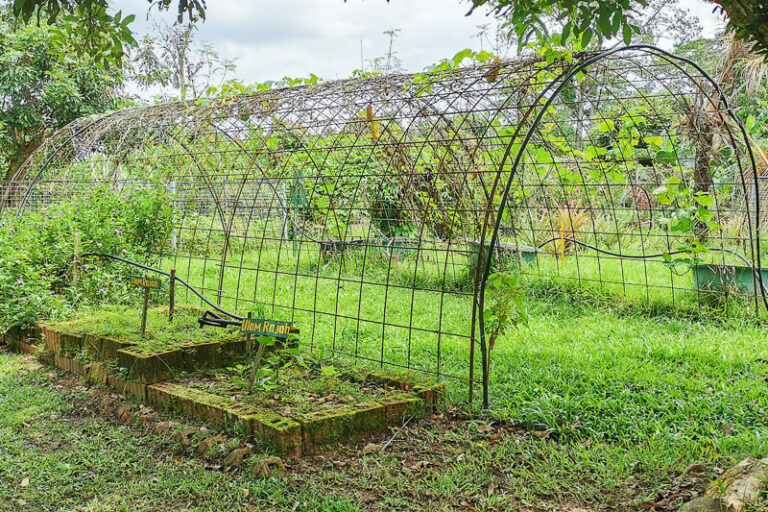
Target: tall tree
x,y
46,81
172,57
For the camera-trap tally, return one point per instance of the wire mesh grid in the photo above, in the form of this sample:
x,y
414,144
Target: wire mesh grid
x,y
371,212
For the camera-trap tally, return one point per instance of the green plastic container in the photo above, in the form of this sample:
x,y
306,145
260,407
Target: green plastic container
x,y
735,278
506,255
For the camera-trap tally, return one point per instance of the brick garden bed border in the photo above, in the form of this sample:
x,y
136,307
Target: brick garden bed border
x,y
148,379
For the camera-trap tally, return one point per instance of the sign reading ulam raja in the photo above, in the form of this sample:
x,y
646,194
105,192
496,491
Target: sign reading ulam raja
x,y
145,282
261,327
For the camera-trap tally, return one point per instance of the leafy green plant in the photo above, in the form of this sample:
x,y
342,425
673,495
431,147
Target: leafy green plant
x,y
49,76
505,305
24,292
255,360
504,308
689,215
329,371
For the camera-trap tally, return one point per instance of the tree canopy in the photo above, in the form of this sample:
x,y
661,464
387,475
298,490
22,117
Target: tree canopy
x,y
46,81
600,19
607,19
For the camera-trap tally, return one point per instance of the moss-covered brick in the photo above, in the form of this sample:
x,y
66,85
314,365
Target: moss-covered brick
x,y
236,414
26,346
110,347
398,406
132,387
193,402
380,378
52,339
61,362
433,395
281,433
160,395
333,425
383,378
369,418
150,367
71,344
92,346
46,356
202,356
98,373
77,367
233,352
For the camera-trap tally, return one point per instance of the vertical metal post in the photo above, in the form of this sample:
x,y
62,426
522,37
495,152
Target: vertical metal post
x,y
172,298
174,236
144,313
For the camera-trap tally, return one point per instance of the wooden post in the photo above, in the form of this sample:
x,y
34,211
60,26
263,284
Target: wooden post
x,y
172,301
248,343
254,362
144,313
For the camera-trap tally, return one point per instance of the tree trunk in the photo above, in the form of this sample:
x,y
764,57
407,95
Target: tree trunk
x,y
11,195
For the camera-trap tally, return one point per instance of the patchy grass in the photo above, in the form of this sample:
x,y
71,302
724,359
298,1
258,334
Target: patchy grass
x,y
124,322
598,403
57,453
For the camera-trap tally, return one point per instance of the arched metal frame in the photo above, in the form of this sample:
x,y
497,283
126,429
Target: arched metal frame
x,y
370,211
552,92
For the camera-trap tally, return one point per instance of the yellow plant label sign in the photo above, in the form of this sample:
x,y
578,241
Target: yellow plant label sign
x,y
261,327
145,282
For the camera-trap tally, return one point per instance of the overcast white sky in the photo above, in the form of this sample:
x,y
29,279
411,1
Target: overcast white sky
x,y
270,39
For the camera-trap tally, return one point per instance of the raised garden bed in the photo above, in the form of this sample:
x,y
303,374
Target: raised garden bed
x,y
123,323
169,349
303,406
306,407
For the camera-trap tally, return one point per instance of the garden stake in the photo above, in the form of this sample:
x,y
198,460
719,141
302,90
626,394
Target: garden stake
x,y
144,313
172,300
255,366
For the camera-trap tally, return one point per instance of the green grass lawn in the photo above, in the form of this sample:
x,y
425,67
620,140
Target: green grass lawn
x,y
602,400
669,391
601,404
58,454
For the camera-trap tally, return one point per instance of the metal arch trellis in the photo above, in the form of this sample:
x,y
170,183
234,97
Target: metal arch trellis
x,y
548,96
371,212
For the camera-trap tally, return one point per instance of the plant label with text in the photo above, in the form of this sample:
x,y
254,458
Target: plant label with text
x,y
261,327
145,282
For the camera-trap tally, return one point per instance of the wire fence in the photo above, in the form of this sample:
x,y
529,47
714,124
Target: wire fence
x,y
371,212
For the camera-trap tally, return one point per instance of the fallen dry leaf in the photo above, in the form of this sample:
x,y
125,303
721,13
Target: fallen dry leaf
x,y
24,482
420,464
370,448
484,428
